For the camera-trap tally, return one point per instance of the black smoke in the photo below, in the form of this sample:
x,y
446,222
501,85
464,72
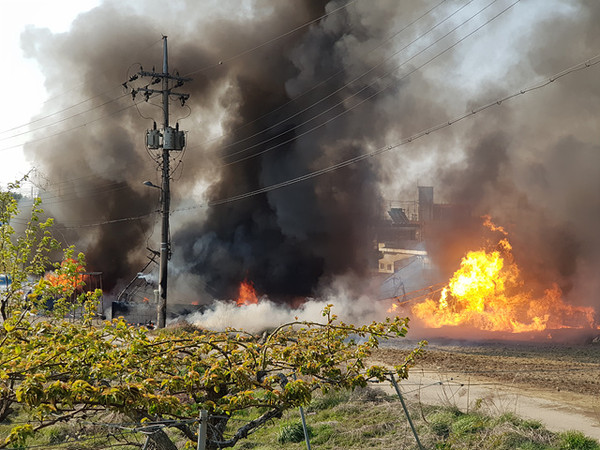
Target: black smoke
x,y
286,241
532,163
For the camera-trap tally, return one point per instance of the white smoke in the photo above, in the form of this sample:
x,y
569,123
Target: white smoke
x,y
255,318
150,278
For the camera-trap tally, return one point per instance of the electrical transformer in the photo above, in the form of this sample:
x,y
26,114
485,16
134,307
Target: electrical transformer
x,y
173,139
153,139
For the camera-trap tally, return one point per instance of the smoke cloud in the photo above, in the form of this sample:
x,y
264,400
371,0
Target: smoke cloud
x,y
263,111
349,306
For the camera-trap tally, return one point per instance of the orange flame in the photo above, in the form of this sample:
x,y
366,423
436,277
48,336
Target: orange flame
x,y
487,222
487,293
247,295
67,283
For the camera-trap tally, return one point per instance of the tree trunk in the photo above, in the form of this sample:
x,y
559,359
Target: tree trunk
x,y
162,441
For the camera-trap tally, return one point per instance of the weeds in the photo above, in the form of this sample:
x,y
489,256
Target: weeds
x,y
292,432
328,401
577,440
370,419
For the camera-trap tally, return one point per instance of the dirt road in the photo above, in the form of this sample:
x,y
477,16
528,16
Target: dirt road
x,y
558,384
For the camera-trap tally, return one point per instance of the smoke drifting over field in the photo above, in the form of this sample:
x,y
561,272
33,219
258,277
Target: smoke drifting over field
x,y
532,163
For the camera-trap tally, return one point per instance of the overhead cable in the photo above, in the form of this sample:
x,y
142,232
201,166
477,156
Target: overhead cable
x,y
369,97
576,68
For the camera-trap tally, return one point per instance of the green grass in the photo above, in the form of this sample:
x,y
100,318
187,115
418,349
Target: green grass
x,y
365,418
370,419
293,432
81,435
577,440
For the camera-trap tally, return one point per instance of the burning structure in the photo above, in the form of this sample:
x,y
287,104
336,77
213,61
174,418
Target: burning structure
x,y
283,93
73,285
402,237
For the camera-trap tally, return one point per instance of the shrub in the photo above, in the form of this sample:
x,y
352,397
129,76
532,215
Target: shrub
x,y
369,394
323,433
57,435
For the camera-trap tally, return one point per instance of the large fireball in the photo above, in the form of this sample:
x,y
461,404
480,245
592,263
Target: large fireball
x,y
487,292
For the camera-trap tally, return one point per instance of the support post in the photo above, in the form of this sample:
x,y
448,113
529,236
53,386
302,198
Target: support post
x,y
202,429
304,426
168,139
412,426
161,308
147,443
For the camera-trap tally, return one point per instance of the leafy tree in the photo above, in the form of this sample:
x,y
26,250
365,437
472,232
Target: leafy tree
x,y
59,370
24,255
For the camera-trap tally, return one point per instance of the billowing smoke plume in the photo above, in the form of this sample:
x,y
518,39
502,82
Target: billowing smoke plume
x,y
535,163
263,111
285,241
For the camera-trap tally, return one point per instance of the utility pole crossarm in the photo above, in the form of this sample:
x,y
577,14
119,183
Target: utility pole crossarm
x,y
144,73
150,91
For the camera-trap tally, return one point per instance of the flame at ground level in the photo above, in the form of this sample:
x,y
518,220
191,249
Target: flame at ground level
x,y
247,294
70,281
487,292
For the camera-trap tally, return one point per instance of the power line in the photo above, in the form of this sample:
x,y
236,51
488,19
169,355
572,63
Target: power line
x,y
235,56
393,35
62,94
369,97
106,222
231,58
581,66
268,149
270,41
70,129
91,193
64,118
58,133
576,68
59,196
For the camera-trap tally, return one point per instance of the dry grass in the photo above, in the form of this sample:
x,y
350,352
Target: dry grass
x,y
371,419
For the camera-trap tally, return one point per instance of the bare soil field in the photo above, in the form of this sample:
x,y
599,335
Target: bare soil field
x,y
557,382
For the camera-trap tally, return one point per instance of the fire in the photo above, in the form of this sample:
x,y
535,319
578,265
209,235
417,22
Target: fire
x,y
67,282
247,295
487,292
487,222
